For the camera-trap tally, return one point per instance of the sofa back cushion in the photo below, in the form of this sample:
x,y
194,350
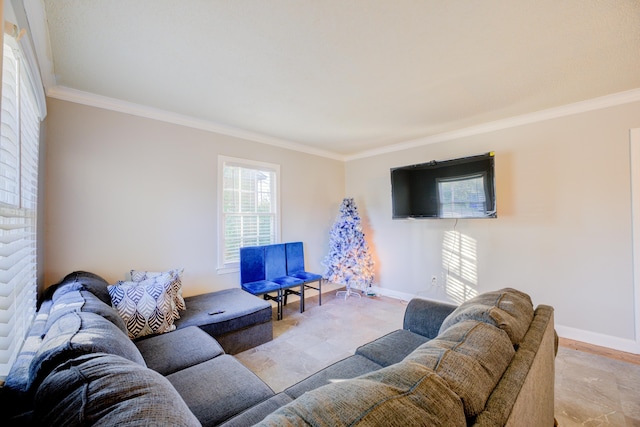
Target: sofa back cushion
x,y
508,309
82,280
107,390
471,357
399,394
16,394
81,300
78,333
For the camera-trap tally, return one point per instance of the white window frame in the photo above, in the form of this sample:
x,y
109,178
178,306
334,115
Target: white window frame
x,y
225,267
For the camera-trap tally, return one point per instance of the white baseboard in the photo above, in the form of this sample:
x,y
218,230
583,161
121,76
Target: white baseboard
x,y
602,340
595,338
406,296
392,294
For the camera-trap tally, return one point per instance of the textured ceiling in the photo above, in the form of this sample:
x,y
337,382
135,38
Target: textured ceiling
x,y
346,76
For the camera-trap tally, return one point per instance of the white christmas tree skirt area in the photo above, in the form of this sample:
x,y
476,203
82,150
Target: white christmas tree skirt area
x,y
348,293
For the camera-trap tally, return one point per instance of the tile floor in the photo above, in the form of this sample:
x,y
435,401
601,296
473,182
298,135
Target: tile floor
x,y
590,390
595,390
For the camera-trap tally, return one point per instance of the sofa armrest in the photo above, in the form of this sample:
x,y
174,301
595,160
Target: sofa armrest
x,y
424,317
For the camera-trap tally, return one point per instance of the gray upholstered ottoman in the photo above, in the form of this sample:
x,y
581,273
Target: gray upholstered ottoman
x,y
240,321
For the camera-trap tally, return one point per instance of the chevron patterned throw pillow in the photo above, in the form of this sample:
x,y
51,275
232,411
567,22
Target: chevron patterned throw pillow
x,y
176,285
146,307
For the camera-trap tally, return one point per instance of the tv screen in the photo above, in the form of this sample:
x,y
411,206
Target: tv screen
x,y
456,188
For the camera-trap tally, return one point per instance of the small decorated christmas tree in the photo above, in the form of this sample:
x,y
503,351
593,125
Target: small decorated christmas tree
x,y
348,261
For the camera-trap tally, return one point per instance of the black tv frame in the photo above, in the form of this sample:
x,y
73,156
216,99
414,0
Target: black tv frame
x,y
414,189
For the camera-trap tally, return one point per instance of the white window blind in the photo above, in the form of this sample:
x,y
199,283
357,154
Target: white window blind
x,y
249,207
462,196
19,144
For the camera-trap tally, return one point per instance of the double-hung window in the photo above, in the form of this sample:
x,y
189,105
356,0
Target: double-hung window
x,y
249,207
19,143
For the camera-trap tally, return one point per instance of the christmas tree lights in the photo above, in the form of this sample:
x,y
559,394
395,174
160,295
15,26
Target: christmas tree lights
x,y
348,261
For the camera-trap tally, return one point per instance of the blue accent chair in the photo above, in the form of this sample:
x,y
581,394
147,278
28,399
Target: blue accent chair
x,y
276,271
253,279
295,268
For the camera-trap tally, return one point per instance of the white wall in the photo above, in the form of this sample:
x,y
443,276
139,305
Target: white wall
x,y
563,234
128,192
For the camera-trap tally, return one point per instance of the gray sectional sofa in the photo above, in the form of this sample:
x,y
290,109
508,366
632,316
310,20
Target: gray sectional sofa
x,y
488,362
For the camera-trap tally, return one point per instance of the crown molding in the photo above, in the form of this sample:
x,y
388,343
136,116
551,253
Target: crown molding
x,y
85,98
606,101
36,15
90,99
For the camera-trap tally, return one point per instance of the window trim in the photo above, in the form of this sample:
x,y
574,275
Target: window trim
x,y
221,267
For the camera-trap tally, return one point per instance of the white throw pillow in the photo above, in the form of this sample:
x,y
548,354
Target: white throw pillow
x,y
146,307
176,284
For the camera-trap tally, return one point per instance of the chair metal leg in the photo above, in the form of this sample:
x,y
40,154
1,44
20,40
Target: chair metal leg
x,y
319,289
278,299
300,293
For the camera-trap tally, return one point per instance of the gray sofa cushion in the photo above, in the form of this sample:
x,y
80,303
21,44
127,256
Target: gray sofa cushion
x,y
173,351
107,390
78,333
403,394
82,280
62,288
219,388
391,348
348,368
508,309
240,310
424,317
471,357
82,300
236,342
258,412
16,394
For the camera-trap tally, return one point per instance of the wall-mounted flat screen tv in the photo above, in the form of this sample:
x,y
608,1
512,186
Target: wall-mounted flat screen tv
x,y
456,188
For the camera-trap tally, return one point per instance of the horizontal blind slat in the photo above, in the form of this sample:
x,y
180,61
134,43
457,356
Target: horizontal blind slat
x,y
19,145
